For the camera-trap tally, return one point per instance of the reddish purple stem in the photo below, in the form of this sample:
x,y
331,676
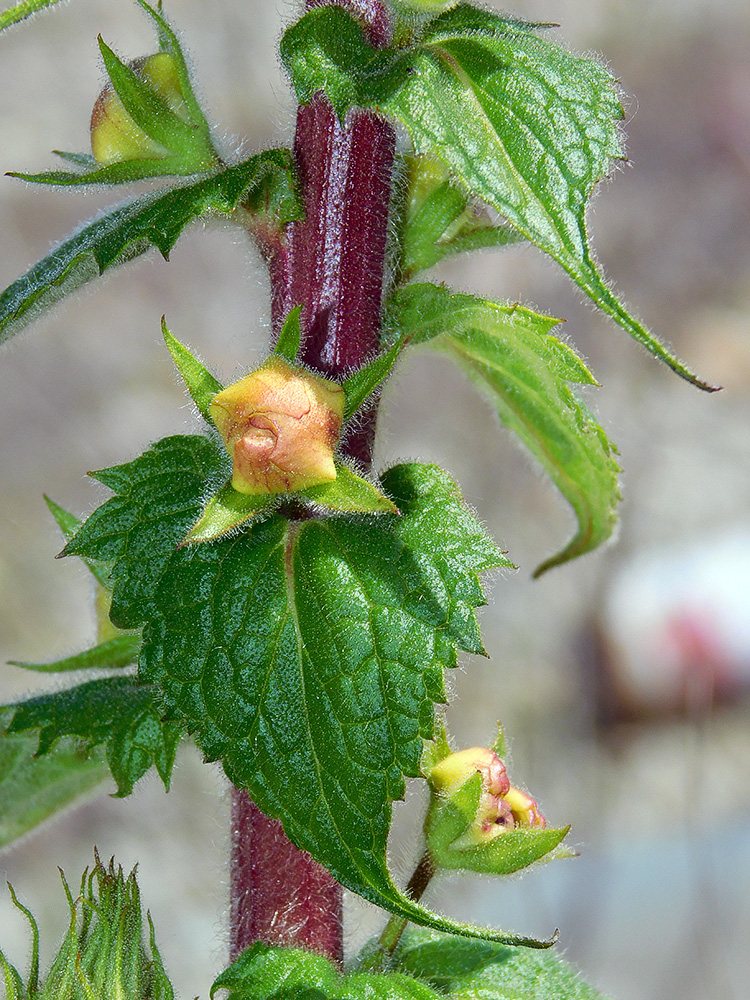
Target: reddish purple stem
x,y
333,264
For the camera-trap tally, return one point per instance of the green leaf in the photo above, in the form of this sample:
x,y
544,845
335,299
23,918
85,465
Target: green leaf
x,y
525,125
441,219
199,380
115,711
477,970
362,383
160,495
262,972
287,346
306,656
68,524
23,10
350,493
226,511
510,353
33,789
128,230
121,651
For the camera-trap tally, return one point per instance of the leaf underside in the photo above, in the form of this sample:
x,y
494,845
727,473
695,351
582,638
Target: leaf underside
x,y
525,371
478,970
307,656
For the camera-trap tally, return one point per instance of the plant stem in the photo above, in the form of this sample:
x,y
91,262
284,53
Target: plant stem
x,y
333,264
389,939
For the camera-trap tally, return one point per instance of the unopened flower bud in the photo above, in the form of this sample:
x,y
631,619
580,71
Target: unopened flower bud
x,y
281,425
524,809
115,137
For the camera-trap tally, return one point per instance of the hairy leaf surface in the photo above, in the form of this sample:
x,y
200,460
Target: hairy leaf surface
x,y
478,970
33,789
115,711
307,656
130,229
525,125
262,972
526,371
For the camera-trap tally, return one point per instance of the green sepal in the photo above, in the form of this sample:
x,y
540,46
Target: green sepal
x,y
227,511
200,382
478,970
349,493
121,651
511,354
190,144
361,384
448,821
114,711
104,952
156,219
264,972
287,345
168,42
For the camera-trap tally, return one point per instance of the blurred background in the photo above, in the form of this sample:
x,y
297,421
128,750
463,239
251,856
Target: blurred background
x,y
622,680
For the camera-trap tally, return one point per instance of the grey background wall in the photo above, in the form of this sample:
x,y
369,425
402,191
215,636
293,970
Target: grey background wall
x,y
656,906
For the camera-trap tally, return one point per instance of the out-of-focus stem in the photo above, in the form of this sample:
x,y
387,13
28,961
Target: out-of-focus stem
x,y
333,264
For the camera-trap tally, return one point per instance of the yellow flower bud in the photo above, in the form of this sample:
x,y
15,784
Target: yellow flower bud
x,y
524,809
115,137
281,425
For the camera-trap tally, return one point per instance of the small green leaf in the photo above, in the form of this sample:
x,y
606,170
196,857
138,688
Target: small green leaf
x,y
23,10
122,651
362,383
128,230
263,972
287,346
511,354
477,970
115,711
441,219
199,380
226,511
350,493
33,789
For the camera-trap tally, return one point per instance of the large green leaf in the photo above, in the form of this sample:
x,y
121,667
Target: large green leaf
x,y
115,711
262,972
128,230
526,371
307,656
524,124
33,789
477,970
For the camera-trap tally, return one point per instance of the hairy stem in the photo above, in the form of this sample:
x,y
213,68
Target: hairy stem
x,y
333,264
